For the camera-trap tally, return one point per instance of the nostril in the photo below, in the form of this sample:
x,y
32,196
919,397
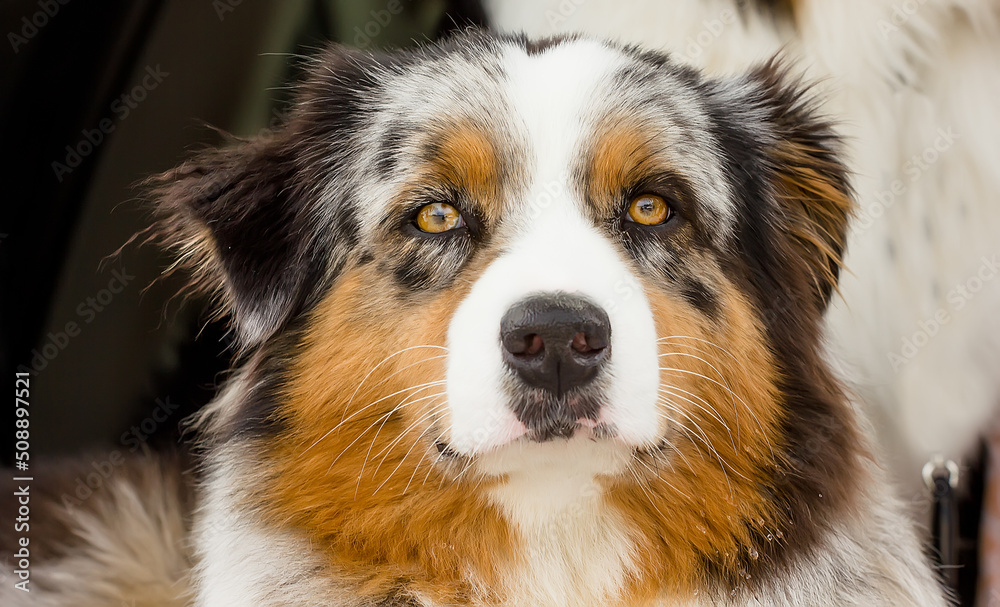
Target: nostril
x,y
533,344
529,345
588,343
580,344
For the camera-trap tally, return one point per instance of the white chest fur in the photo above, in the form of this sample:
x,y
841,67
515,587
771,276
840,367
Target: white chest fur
x,y
576,551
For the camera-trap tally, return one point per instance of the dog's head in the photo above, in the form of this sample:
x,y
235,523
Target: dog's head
x,y
501,276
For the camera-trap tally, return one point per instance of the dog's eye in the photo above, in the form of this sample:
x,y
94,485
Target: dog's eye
x,y
648,210
438,217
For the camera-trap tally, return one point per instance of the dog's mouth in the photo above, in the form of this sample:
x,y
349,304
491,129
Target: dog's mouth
x,y
555,430
583,427
535,417
548,417
447,452
655,449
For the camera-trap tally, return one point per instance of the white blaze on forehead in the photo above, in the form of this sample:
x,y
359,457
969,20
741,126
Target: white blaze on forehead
x,y
552,246
563,95
551,93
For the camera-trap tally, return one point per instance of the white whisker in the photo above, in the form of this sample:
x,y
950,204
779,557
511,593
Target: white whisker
x,y
708,443
434,407
377,432
422,457
670,391
732,395
382,362
721,376
639,482
704,341
369,405
385,451
365,431
405,455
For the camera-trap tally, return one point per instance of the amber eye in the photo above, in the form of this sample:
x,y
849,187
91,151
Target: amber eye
x,y
439,217
649,210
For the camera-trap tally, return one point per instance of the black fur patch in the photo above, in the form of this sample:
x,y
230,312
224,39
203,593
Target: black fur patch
x,y
765,262
388,151
539,46
412,274
251,214
699,296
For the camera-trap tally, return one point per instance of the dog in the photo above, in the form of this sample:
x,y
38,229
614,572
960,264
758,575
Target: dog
x,y
523,322
911,85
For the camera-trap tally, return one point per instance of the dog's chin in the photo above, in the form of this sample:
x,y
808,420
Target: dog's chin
x,y
583,454
584,447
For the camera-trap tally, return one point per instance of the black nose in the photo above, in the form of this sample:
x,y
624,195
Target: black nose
x,y
556,342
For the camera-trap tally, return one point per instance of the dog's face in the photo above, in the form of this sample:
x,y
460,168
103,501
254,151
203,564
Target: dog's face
x,y
508,266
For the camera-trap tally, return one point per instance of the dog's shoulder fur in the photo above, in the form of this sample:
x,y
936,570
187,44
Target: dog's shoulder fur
x,y
106,530
128,545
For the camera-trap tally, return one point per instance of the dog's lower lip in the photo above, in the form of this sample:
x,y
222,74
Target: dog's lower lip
x,y
581,428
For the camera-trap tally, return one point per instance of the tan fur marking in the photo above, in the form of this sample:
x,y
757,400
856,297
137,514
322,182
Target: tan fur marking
x,y
466,158
383,529
401,518
621,156
704,501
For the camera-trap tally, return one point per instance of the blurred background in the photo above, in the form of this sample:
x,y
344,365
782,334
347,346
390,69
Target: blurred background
x,y
94,98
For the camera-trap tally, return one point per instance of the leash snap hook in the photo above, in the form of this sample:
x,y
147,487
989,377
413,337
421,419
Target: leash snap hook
x,y
939,468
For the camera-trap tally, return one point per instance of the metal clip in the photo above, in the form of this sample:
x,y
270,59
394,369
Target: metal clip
x,y
939,467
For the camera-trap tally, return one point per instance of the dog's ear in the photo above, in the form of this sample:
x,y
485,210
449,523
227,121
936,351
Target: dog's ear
x,y
232,220
264,224
789,181
810,181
